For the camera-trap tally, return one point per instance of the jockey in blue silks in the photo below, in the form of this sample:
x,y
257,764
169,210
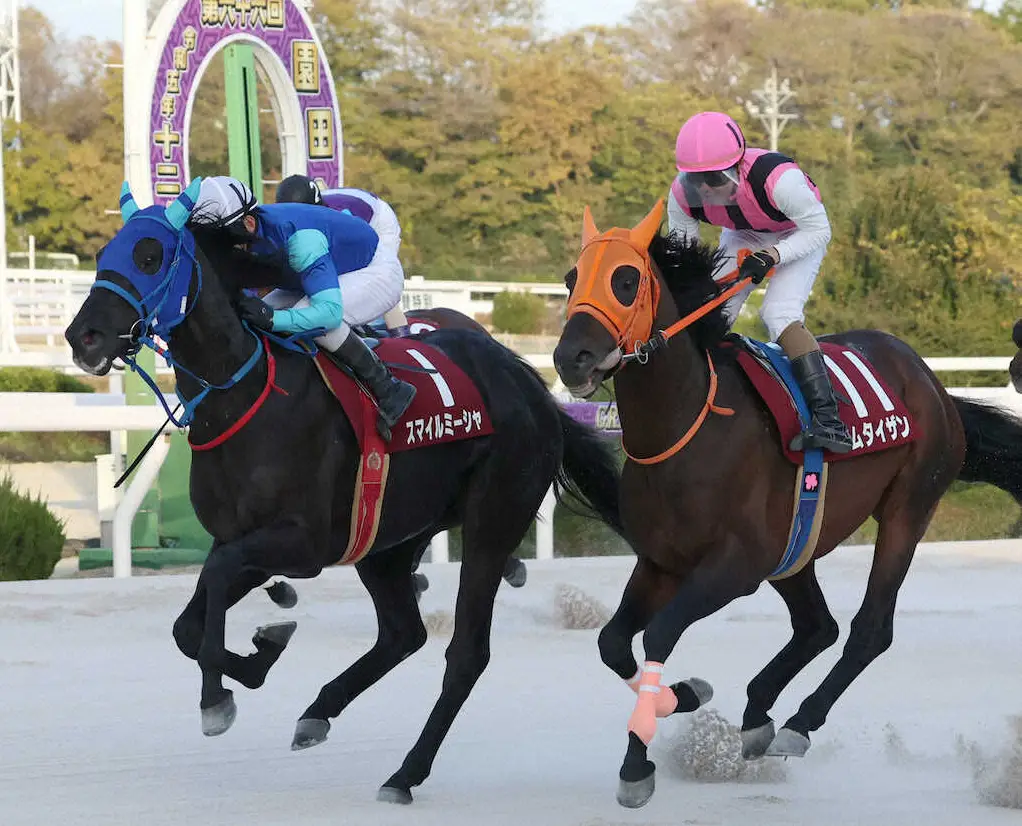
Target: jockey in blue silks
x,y
324,258
371,208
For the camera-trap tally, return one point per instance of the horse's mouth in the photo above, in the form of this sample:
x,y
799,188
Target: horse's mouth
x,y
597,376
100,368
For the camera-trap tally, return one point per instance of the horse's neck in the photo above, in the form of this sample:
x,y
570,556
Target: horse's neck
x,y
659,400
211,343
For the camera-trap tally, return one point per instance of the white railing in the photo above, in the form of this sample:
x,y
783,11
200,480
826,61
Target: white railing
x,y
49,412
108,412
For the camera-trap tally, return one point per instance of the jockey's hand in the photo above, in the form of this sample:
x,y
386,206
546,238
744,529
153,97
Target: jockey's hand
x,y
757,265
256,312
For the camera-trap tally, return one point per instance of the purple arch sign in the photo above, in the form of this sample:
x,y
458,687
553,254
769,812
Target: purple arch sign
x,y
293,59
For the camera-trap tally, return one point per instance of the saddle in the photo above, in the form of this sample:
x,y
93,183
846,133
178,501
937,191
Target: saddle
x,y
447,408
875,416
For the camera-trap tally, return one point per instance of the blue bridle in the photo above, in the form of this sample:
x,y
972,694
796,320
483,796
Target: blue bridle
x,y
164,306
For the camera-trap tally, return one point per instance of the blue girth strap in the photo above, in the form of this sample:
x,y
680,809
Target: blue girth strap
x,y
811,472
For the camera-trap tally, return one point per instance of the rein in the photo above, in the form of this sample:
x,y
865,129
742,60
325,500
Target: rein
x,y
643,350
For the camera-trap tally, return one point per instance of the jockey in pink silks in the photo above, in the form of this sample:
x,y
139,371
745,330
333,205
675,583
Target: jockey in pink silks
x,y
765,203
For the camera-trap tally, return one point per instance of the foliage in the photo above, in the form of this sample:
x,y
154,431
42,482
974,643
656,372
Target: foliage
x,y
31,538
489,136
517,312
39,380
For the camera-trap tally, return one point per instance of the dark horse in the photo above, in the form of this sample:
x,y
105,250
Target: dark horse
x,y
710,521
277,495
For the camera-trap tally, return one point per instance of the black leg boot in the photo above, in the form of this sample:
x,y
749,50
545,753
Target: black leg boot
x,y
393,396
826,430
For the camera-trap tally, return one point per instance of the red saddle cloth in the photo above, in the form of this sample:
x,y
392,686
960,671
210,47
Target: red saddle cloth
x,y
447,408
876,417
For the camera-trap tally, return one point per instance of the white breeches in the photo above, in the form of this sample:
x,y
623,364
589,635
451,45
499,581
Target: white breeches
x,y
787,290
366,294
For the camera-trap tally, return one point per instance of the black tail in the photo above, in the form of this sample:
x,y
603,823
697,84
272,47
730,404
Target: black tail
x,y
589,472
993,440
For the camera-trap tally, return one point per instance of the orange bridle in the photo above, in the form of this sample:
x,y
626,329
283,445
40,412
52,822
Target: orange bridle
x,y
602,254
632,324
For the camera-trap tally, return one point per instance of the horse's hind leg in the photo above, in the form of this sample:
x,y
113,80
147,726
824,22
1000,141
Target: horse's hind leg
x,y
813,631
903,517
493,528
389,579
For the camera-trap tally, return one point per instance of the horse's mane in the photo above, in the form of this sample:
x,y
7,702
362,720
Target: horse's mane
x,y
687,268
239,267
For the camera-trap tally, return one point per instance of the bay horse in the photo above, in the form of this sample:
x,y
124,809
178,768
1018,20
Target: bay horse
x,y
277,495
706,496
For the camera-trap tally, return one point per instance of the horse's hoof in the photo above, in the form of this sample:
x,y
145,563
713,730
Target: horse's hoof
x,y
788,743
277,633
515,573
756,741
420,584
692,693
217,719
633,794
283,594
394,794
309,733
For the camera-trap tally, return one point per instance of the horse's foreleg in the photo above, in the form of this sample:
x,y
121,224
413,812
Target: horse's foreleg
x,y
813,630
647,591
269,640
721,576
227,575
389,579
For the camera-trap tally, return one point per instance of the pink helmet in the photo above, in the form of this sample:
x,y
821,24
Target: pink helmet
x,y
709,142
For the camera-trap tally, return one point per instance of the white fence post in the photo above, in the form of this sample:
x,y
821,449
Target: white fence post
x,y
545,526
438,548
145,475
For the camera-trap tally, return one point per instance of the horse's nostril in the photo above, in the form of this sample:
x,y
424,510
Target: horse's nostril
x,y
91,338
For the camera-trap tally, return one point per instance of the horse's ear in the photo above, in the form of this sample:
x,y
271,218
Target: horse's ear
x,y
648,227
127,202
181,208
589,230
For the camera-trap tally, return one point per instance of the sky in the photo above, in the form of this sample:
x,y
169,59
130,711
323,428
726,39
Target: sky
x,y
103,20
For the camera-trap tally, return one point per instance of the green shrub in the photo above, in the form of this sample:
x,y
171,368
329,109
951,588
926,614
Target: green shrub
x,y
39,380
31,538
519,313
47,447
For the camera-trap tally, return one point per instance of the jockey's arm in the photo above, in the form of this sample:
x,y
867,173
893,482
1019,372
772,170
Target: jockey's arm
x,y
795,199
309,255
680,221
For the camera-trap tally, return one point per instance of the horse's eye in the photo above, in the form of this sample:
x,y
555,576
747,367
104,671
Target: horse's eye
x,y
148,256
625,284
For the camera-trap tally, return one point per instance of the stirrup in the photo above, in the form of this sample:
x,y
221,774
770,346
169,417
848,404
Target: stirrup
x,y
825,439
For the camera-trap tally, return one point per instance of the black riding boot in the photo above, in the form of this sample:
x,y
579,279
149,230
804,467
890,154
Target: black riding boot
x,y
826,430
393,396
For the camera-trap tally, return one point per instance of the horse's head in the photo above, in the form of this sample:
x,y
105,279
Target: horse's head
x,y
614,296
144,283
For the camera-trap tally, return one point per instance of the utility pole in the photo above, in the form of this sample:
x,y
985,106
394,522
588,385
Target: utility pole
x,y
771,97
10,108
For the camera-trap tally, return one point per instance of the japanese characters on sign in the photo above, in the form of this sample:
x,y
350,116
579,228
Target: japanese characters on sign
x,y
200,29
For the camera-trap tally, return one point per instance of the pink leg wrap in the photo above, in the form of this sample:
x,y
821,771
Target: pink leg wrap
x,y
666,699
643,719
